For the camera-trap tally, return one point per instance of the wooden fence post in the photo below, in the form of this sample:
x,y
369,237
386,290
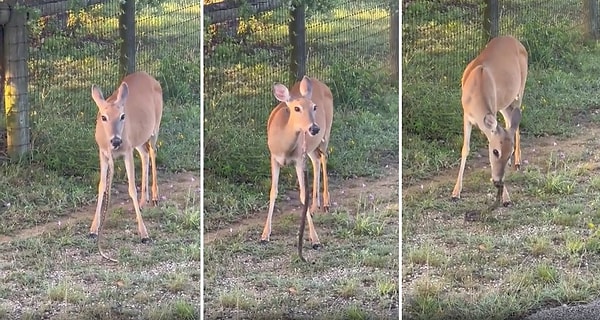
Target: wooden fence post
x,y
297,32
394,41
16,105
491,20
590,12
4,16
127,35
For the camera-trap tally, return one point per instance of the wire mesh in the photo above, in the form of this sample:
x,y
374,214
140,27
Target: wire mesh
x,y
440,38
69,51
246,55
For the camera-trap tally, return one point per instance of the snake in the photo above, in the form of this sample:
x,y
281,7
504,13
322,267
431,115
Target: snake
x,y
304,210
104,213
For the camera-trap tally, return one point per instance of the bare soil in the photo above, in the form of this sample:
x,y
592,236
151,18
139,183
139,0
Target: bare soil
x,y
342,192
174,187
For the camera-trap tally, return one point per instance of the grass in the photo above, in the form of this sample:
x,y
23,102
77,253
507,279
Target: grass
x,y
544,245
63,268
353,277
49,266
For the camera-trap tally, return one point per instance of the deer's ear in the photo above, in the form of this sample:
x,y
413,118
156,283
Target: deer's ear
x,y
281,92
306,87
122,93
97,94
490,122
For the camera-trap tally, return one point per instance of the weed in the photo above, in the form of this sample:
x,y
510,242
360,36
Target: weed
x,y
547,274
235,299
65,292
386,287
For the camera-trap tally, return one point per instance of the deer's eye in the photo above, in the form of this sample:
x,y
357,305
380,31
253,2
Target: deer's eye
x,y
103,118
496,153
122,117
297,109
315,107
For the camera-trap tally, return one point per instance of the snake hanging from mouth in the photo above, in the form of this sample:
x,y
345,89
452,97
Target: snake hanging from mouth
x,y
304,210
104,213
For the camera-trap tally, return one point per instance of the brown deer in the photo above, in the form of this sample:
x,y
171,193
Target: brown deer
x,y
300,124
129,119
494,81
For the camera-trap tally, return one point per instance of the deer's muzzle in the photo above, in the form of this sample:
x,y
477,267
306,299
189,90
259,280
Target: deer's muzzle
x,y
499,184
313,129
116,142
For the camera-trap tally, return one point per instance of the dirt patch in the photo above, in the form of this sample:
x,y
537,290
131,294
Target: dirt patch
x,y
342,192
174,186
536,150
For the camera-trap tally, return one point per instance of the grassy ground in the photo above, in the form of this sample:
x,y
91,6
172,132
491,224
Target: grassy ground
x,y
355,275
49,267
542,250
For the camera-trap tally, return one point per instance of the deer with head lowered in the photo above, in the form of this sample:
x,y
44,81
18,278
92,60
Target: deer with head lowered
x,y
494,82
300,124
128,119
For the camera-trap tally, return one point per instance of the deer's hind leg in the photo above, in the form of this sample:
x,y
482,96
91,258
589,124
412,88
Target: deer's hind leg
x,y
152,151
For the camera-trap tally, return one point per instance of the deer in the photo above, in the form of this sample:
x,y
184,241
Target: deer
x,y
300,125
129,119
493,82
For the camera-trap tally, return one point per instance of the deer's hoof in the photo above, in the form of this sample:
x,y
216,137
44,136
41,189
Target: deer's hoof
x,y
317,246
146,240
92,235
506,203
455,198
264,241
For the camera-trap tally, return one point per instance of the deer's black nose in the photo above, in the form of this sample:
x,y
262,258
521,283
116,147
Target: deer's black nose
x,y
499,184
314,129
116,142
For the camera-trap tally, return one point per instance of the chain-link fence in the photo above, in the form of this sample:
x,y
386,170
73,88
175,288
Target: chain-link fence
x,y
440,38
69,51
247,54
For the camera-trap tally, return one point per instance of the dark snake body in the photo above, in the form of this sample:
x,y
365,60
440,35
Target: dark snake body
x,y
304,211
104,213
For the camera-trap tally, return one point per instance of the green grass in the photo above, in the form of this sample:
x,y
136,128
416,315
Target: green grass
x,y
537,247
63,268
50,268
354,276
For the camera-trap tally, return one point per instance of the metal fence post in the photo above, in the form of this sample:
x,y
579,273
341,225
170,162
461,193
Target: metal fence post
x,y
16,104
590,12
491,18
127,35
297,32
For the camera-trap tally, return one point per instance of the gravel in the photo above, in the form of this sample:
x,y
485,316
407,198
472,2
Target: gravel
x,y
590,311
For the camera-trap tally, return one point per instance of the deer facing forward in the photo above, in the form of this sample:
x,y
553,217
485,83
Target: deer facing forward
x,y
129,119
